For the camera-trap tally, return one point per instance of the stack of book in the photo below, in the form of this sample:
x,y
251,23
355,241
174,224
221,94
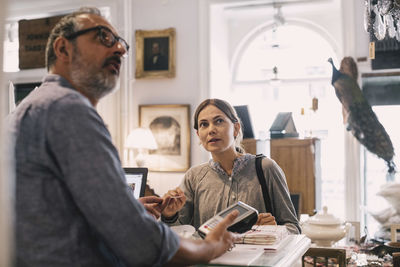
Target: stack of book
x,y
263,235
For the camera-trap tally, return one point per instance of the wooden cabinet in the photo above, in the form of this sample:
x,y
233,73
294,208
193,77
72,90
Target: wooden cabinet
x,y
300,161
256,146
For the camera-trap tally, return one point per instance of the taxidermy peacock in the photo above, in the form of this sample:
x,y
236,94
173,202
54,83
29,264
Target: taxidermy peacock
x,y
358,114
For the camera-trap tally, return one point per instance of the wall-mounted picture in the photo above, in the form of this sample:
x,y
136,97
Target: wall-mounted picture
x,y
170,127
155,53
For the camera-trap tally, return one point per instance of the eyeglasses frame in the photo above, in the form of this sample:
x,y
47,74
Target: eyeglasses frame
x,y
99,28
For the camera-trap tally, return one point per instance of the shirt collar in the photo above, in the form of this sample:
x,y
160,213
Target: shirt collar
x,y
238,164
55,78
58,79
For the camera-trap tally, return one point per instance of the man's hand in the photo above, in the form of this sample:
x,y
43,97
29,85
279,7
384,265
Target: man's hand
x,y
216,243
154,205
173,201
220,238
266,219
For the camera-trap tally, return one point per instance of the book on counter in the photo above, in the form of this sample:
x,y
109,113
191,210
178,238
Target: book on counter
x,y
270,235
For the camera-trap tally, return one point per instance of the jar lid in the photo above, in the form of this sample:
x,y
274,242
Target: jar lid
x,y
324,218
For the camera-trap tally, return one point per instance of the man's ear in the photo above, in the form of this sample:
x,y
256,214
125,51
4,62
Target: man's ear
x,y
62,49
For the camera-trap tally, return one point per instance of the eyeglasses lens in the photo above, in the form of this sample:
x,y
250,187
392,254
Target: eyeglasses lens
x,y
109,39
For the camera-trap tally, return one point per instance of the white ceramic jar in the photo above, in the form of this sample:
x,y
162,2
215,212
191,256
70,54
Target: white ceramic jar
x,y
324,229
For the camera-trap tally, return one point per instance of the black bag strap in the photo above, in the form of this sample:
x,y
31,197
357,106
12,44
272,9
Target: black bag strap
x,y
261,179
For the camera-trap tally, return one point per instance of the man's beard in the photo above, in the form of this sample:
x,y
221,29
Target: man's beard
x,y
96,83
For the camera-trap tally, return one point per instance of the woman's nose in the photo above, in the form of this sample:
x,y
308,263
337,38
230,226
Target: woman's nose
x,y
211,129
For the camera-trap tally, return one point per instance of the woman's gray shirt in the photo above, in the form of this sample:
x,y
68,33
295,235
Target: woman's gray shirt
x,y
209,189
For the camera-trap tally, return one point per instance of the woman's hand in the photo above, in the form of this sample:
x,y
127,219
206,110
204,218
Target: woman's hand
x,y
266,219
174,201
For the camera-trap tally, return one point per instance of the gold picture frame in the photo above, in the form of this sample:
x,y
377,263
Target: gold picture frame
x,y
170,125
155,53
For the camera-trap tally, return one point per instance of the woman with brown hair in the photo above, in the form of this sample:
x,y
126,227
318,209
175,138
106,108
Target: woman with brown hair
x,y
228,177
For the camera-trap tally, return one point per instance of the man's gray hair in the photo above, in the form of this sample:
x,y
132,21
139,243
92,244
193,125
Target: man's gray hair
x,y
67,25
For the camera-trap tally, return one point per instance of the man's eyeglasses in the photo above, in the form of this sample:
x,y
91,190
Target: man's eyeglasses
x,y
107,37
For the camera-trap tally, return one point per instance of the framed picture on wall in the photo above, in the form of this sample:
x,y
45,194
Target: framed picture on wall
x,y
170,127
155,53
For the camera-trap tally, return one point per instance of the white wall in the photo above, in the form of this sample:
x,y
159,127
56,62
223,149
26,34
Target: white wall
x,y
183,15
220,72
5,178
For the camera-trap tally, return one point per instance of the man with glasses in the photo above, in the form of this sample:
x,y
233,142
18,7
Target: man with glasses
x,y
73,206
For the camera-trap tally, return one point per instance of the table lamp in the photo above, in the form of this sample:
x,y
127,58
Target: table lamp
x,y
141,140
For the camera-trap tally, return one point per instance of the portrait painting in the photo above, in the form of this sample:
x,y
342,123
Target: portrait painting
x,y
155,53
169,125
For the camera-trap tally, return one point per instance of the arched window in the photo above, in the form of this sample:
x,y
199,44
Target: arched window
x,y
282,69
295,51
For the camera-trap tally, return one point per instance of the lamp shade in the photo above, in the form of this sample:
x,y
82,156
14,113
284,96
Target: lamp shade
x,y
141,138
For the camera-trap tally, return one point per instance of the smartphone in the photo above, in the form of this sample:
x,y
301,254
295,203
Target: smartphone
x,y
246,219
